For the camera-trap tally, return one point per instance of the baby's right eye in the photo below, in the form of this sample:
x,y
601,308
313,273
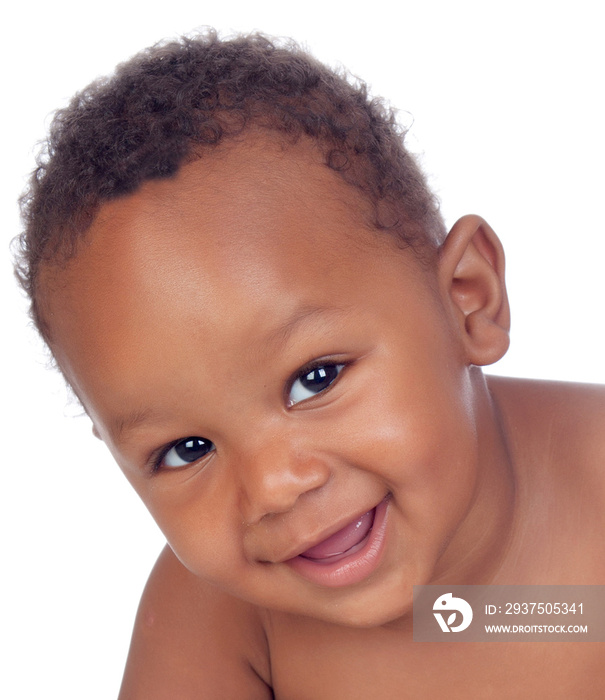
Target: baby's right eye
x,y
186,451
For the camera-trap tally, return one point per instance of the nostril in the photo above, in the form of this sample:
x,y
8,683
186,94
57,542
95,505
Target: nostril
x,y
275,492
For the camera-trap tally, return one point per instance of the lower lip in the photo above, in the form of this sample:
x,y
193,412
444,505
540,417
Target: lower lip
x,y
351,569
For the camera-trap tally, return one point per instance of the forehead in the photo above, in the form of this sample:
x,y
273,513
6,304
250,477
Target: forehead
x,y
228,211
227,250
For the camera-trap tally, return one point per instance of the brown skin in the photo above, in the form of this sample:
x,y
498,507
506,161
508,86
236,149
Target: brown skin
x,y
169,323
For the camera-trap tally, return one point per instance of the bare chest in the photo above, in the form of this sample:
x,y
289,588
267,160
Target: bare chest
x,y
368,664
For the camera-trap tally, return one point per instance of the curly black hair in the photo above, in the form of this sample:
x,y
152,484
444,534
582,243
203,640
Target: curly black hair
x,y
170,103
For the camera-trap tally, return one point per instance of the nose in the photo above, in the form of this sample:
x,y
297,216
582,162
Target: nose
x,y
273,477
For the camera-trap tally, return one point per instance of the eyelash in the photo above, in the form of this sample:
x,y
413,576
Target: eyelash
x,y
157,460
320,364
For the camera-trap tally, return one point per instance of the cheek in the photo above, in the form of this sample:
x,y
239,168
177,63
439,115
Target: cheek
x,y
416,431
430,450
199,521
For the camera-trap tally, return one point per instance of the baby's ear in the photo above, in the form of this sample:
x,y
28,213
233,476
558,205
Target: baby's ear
x,y
471,274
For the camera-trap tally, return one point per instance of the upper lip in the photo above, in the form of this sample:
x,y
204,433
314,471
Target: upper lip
x,y
303,545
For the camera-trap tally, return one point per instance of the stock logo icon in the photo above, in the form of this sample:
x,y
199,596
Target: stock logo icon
x,y
445,604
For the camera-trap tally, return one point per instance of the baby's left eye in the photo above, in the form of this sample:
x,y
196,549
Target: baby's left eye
x,y
313,382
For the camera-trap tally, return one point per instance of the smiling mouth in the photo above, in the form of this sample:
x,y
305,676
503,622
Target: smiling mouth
x,y
344,542
349,555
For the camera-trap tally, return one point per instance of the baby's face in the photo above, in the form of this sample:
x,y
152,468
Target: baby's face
x,y
269,373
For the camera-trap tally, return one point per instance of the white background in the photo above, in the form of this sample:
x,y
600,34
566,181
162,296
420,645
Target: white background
x,y
507,107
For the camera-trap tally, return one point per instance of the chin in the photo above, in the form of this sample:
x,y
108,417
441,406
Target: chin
x,y
370,609
368,617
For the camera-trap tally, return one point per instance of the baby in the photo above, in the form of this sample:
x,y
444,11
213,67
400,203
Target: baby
x,y
242,275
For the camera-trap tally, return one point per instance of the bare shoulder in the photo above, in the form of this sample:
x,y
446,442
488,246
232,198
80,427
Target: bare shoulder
x,y
192,641
571,414
539,389
555,434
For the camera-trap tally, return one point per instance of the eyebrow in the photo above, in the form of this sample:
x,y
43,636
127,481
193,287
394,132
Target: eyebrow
x,y
279,335
130,421
282,333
